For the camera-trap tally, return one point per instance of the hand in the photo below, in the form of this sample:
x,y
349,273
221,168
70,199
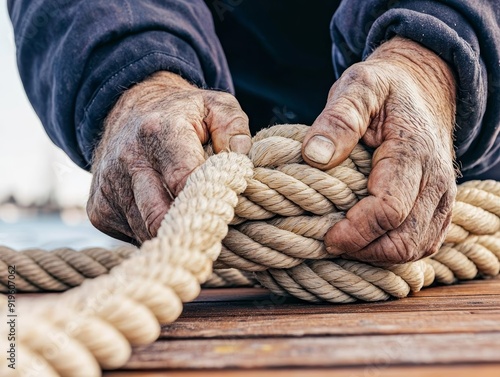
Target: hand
x,y
401,101
152,141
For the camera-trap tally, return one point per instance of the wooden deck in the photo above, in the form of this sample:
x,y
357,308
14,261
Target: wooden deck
x,y
441,331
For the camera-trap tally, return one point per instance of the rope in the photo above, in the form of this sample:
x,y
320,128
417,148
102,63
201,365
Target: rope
x,y
229,277
283,210
61,269
94,325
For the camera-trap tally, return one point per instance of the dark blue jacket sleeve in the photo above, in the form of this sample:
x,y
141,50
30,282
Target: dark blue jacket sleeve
x,y
466,34
76,57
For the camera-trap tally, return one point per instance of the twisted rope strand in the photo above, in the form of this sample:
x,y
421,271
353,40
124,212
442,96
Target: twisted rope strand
x,y
280,211
128,304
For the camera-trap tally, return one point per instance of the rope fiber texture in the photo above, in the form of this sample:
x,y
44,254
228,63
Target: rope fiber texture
x,y
278,209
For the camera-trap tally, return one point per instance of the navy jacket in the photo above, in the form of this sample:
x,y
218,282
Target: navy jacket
x,y
279,57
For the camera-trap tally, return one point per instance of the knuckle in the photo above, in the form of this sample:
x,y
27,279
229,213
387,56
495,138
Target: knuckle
x,y
392,212
225,98
359,72
342,117
153,221
149,144
431,251
221,100
444,209
150,129
178,177
125,160
363,74
440,181
230,111
444,176
401,249
224,111
103,206
243,117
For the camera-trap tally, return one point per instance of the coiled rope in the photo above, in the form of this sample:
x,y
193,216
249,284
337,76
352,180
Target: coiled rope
x,y
94,325
61,269
280,217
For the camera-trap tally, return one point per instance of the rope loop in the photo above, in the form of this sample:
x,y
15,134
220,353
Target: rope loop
x,y
279,210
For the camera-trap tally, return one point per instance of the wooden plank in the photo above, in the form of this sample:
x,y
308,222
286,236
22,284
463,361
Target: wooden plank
x,y
274,305
482,280
249,325
466,288
419,349
232,294
483,370
458,290
250,328
233,301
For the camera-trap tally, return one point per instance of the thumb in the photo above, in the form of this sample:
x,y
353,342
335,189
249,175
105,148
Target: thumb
x,y
227,124
334,134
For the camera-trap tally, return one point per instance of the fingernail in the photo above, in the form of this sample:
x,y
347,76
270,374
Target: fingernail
x,y
335,251
319,149
240,144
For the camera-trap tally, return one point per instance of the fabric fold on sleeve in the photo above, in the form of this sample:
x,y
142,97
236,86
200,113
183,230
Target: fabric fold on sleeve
x,y
76,57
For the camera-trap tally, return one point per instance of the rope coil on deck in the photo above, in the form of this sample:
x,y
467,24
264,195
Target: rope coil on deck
x,y
283,210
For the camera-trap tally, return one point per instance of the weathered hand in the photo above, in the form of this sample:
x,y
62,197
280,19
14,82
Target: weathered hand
x,y
152,141
401,101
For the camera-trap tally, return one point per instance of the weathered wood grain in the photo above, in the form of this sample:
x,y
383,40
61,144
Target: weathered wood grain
x,y
290,325
482,370
332,351
440,331
467,288
276,306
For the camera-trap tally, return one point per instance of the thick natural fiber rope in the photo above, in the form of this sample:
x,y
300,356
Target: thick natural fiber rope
x,y
298,204
61,269
92,326
288,207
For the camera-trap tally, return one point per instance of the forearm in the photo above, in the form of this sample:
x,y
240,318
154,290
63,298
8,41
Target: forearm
x,y
77,62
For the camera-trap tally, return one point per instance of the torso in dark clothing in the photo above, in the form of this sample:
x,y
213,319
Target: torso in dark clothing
x,y
279,55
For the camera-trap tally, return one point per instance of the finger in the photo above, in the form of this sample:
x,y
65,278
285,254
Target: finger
x,y
442,219
136,223
152,199
227,123
108,220
411,240
394,185
353,104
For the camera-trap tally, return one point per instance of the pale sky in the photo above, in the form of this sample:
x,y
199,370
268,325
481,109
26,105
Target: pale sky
x,y
30,165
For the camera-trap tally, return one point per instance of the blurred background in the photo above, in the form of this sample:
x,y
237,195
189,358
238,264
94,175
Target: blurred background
x,y
42,193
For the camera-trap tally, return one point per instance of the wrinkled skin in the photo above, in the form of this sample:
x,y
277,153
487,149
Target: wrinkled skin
x,y
152,141
401,101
